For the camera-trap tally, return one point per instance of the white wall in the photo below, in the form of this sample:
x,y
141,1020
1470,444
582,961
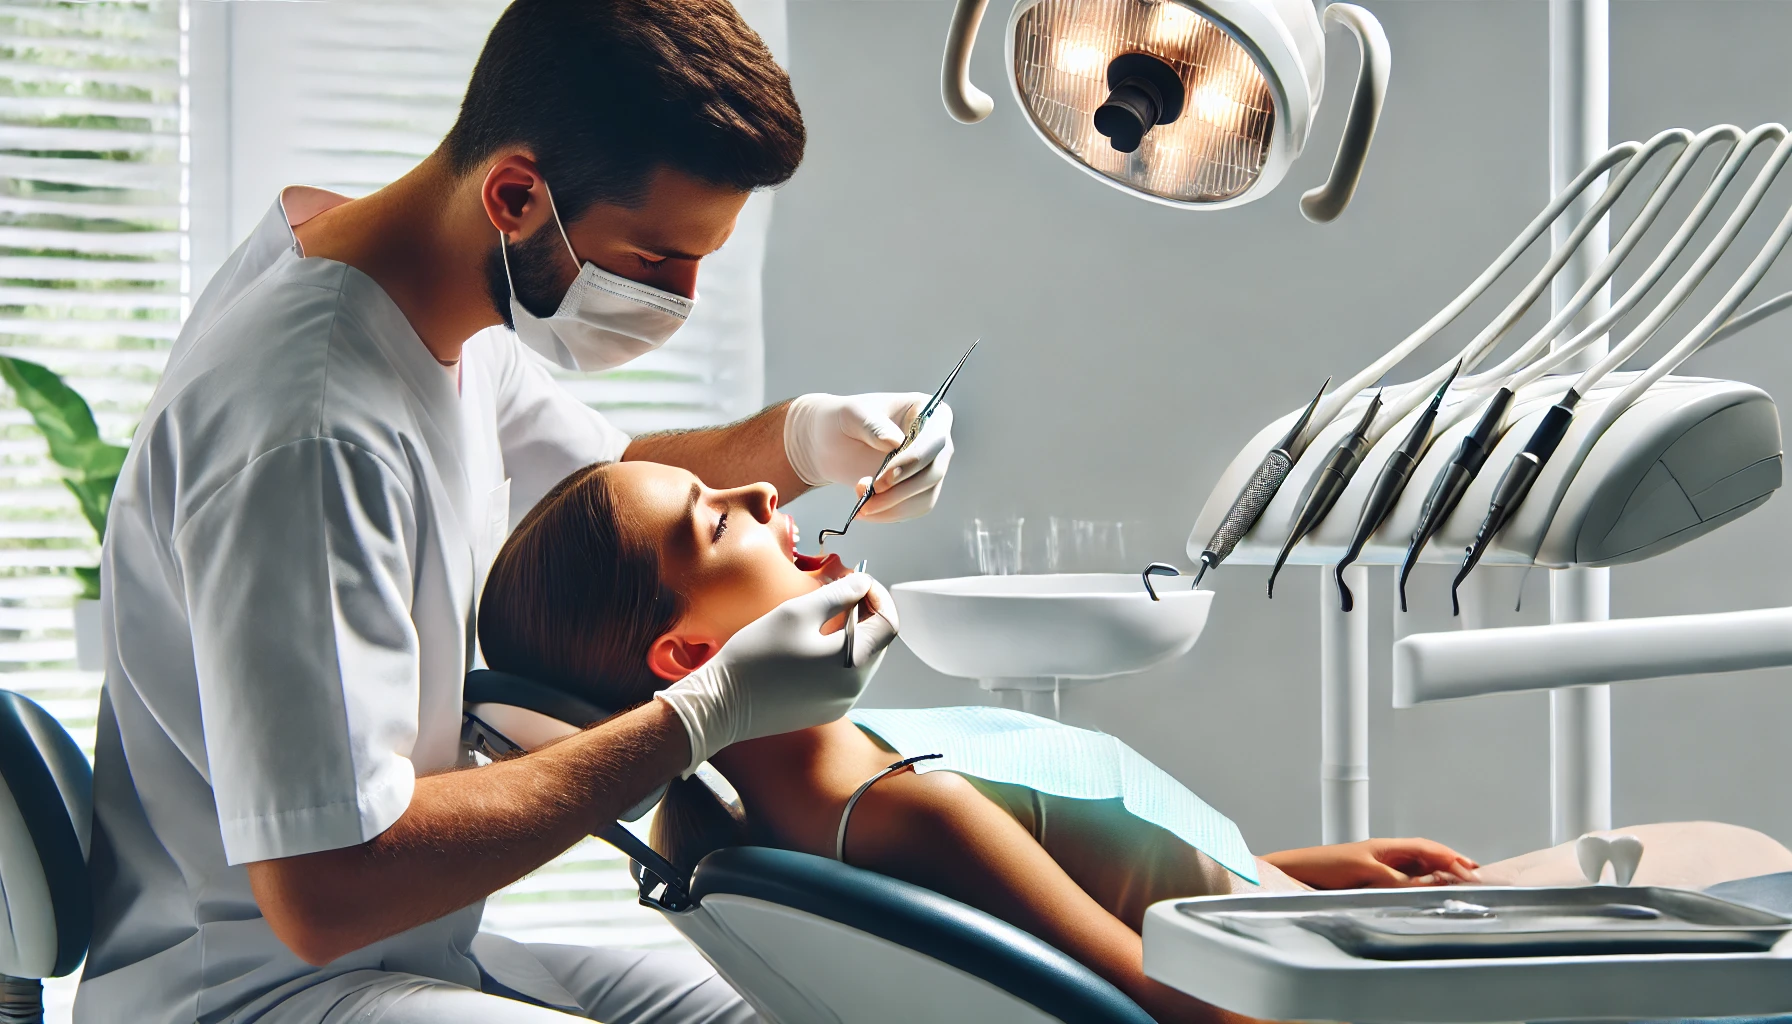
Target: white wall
x,y
1129,350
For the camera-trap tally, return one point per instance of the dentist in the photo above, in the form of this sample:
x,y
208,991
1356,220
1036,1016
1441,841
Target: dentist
x,y
301,530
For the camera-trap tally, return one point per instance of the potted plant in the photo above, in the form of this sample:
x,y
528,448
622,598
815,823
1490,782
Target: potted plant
x,y
90,468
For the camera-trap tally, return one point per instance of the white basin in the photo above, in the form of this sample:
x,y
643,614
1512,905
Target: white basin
x,y
1028,632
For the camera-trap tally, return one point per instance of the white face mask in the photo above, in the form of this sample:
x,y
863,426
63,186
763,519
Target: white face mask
x,y
604,320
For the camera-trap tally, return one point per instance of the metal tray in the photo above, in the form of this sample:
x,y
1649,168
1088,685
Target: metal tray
x,y
1469,923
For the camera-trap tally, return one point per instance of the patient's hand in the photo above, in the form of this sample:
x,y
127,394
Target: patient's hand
x,y
1376,864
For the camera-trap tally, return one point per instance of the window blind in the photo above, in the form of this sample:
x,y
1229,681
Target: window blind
x,y
93,284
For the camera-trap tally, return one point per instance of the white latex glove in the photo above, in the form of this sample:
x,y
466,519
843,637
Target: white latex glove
x,y
780,673
831,439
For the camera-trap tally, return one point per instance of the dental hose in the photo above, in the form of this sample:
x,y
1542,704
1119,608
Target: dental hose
x,y
1516,484
1329,409
1389,485
1346,459
1477,349
1248,507
1327,484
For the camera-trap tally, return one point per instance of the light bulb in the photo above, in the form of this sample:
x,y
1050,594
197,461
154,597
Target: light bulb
x,y
1171,24
1079,58
1213,104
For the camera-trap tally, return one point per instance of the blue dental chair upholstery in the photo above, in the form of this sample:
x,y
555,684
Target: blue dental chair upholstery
x,y
813,941
808,940
46,811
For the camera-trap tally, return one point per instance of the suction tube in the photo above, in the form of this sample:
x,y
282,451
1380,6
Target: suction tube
x,y
1327,484
1248,507
1452,483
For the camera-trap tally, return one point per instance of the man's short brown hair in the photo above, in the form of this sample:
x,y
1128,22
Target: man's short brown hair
x,y
603,92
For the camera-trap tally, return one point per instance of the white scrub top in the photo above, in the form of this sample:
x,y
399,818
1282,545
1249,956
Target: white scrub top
x,y
291,567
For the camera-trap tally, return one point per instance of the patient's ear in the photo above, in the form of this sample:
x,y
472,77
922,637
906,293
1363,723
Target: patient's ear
x,y
676,655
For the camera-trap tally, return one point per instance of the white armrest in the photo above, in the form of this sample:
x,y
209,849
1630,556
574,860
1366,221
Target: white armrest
x,y
1431,667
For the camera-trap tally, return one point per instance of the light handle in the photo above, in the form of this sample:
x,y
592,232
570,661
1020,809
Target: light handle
x,y
965,102
1328,200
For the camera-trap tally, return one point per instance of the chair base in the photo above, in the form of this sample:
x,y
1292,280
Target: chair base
x,y
21,1000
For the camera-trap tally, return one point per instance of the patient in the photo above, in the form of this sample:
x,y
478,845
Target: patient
x,y
629,576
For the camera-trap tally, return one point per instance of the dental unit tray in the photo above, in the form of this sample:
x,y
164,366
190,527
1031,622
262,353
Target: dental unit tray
x,y
1689,456
1465,924
1466,954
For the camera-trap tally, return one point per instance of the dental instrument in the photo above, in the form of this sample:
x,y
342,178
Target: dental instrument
x,y
1391,483
852,617
1447,491
1195,105
1327,484
1255,495
1451,484
1522,473
1514,484
914,431
1158,569
1257,492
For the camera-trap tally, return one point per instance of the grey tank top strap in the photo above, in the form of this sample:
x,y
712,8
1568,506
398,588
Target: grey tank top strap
x,y
851,801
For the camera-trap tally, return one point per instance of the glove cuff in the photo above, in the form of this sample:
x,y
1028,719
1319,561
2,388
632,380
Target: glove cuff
x,y
800,448
684,704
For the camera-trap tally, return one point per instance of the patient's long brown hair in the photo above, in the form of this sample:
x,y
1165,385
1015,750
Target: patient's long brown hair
x,y
574,600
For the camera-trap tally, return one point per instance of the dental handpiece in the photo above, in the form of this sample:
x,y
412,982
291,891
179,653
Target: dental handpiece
x,y
1389,485
1327,484
1248,507
1515,485
1452,483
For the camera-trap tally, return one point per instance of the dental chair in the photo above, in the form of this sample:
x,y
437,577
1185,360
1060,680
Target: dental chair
x,y
808,940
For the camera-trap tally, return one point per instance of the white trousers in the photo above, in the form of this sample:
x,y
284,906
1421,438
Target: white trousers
x,y
610,985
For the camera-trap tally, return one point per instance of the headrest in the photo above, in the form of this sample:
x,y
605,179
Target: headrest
x,y
46,811
489,686
531,714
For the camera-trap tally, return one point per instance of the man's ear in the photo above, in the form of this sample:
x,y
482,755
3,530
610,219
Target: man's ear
x,y
676,655
513,196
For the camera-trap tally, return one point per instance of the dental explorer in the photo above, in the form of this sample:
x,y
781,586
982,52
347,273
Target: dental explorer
x,y
1248,507
914,431
1327,484
1452,483
1390,484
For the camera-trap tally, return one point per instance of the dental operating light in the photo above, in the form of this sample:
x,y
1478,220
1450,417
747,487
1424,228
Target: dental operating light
x,y
1197,104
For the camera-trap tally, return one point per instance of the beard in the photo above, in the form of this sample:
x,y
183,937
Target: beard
x,y
534,266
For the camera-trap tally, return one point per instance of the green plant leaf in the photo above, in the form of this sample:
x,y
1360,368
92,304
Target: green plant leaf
x,y
91,464
95,499
89,575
